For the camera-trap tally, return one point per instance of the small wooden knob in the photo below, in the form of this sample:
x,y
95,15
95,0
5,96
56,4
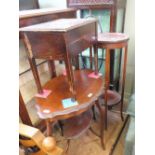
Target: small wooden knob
x,y
49,143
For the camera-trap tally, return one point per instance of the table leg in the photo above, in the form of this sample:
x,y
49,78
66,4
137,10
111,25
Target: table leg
x,y
107,73
32,63
61,127
35,74
48,127
94,116
70,75
101,123
51,67
96,59
123,82
91,58
76,58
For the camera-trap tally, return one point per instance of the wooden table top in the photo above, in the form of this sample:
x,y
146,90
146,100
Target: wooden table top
x,y
60,25
87,91
44,11
109,37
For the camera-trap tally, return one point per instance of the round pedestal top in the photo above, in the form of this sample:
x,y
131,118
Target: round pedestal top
x,y
109,37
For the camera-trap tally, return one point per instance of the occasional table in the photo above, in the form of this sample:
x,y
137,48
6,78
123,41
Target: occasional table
x,y
79,117
61,39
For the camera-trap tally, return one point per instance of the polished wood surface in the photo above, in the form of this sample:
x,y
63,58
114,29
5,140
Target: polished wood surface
x,y
31,137
88,90
112,41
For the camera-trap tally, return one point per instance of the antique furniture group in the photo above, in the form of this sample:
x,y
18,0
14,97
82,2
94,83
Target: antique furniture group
x,y
72,95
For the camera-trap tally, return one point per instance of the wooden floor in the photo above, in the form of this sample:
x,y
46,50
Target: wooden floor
x,y
89,144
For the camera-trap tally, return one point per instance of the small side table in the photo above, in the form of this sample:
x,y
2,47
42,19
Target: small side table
x,y
112,41
61,39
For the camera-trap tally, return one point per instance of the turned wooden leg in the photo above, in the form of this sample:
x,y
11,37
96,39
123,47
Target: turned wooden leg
x,y
107,73
48,127
101,111
123,82
51,67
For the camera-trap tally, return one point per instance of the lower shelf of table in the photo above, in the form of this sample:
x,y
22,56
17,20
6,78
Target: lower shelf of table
x,y
76,126
114,98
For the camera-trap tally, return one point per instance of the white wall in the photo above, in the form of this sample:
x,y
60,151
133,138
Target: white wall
x,y
130,30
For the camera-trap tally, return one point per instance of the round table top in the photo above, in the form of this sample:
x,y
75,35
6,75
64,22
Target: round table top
x,y
109,37
87,91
